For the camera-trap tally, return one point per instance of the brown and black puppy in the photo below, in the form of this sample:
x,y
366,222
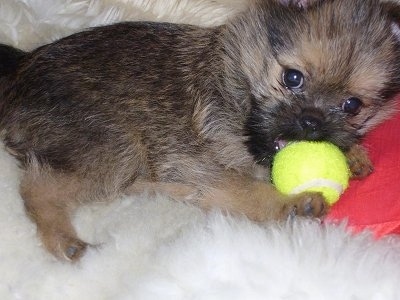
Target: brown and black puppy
x,y
195,112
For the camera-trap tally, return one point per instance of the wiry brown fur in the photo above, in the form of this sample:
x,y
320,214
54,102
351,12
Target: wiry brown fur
x,y
190,111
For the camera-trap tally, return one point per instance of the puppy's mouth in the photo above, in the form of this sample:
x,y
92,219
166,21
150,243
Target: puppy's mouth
x,y
280,143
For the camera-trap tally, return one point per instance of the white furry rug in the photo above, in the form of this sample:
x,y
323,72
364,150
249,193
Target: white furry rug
x,y
159,249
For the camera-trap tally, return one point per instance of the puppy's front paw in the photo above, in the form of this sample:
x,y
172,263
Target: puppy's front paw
x,y
306,204
359,163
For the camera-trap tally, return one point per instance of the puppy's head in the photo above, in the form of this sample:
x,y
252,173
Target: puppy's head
x,y
323,71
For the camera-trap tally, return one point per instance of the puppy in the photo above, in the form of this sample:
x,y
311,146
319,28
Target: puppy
x,y
196,113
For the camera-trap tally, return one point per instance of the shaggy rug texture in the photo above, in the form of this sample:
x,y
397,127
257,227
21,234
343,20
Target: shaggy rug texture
x,y
154,248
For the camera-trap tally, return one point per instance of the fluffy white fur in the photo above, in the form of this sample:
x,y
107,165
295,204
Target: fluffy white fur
x,y
154,248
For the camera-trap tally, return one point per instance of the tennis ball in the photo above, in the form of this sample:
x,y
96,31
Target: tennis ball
x,y
312,167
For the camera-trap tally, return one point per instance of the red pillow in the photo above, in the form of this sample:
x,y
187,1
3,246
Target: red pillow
x,y
374,202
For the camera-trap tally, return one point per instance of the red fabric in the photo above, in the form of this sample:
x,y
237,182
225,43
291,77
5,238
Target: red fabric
x,y
374,202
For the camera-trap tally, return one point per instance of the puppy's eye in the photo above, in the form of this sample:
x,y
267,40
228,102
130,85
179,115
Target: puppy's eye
x,y
352,106
293,79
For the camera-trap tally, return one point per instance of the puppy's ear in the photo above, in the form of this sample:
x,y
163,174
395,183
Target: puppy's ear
x,y
392,7
299,3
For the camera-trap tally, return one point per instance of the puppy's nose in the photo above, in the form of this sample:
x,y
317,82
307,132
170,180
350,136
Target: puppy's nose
x,y
310,123
311,126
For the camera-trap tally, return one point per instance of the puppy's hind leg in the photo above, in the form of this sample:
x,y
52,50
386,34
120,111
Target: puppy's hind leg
x,y
49,199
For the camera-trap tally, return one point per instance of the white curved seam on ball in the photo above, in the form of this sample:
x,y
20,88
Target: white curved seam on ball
x,y
317,183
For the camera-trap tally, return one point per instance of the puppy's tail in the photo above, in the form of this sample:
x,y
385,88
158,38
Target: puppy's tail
x,y
10,58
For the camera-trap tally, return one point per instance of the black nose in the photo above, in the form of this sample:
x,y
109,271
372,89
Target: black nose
x,y
311,126
310,123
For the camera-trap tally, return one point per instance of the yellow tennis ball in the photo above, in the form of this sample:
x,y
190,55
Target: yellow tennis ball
x,y
313,167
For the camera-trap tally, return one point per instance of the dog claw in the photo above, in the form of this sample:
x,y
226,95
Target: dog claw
x,y
74,252
308,209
